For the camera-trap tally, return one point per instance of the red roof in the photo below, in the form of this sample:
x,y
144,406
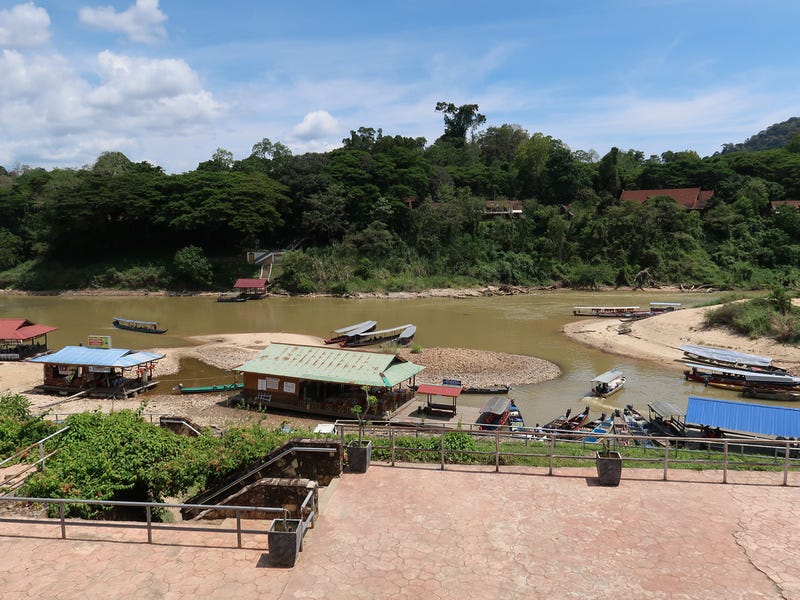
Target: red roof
x,y
22,329
692,198
250,283
451,391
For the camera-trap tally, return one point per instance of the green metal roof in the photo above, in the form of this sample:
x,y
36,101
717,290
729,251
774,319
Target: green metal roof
x,y
334,365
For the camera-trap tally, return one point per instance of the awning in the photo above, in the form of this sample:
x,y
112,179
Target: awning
x,y
744,417
451,391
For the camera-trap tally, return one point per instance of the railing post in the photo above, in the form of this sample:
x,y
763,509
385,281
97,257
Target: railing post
x,y
61,518
391,437
239,528
552,451
441,449
787,455
724,461
497,450
149,513
666,458
41,453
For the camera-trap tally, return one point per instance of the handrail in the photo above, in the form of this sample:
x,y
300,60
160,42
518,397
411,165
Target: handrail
x,y
262,466
148,506
40,444
787,451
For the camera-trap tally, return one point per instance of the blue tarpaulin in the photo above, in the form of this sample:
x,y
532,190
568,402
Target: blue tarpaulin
x,y
744,417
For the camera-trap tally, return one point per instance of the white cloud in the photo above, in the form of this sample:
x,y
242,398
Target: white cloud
x,y
50,111
316,125
24,26
142,22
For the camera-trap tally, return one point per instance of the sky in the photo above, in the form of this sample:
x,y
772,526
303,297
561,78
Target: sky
x,y
172,81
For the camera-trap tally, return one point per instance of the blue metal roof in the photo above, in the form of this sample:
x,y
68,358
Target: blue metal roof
x,y
741,416
98,357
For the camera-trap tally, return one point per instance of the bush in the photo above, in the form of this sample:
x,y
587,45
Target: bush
x,y
192,264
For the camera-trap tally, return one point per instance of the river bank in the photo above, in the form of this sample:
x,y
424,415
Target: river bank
x,y
659,338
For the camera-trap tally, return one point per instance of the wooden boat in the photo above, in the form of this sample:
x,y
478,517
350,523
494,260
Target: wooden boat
x,y
231,297
602,428
400,335
133,325
603,311
721,357
515,421
566,422
621,429
210,388
736,379
666,420
659,307
497,389
638,426
608,383
343,334
494,414
779,395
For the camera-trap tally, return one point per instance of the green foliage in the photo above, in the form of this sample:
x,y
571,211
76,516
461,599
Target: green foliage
x,y
759,317
18,427
192,264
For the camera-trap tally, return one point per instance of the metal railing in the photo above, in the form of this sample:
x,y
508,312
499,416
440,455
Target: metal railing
x,y
665,453
18,478
309,505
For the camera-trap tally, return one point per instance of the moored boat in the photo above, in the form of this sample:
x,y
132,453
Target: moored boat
x,y
608,383
722,357
515,421
496,389
133,325
400,335
341,335
204,389
603,311
602,428
231,297
638,426
495,414
779,395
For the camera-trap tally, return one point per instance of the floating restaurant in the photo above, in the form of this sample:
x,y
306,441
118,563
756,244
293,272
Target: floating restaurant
x,y
327,381
98,372
20,338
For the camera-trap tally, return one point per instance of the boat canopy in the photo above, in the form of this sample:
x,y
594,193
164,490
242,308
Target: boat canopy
x,y
665,304
134,321
356,329
744,417
664,409
608,376
496,405
727,356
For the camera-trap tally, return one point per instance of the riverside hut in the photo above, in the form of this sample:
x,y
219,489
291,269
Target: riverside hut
x,y
326,380
20,338
98,372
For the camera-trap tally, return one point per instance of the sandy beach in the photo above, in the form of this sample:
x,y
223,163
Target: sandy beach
x,y
658,338
475,368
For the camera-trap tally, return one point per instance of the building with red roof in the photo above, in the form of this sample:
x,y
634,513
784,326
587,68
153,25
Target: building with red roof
x,y
692,198
19,338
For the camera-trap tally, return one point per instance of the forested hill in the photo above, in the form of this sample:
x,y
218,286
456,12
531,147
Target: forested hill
x,y
774,136
479,205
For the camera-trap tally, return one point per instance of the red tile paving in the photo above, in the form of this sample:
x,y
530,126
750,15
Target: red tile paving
x,y
417,532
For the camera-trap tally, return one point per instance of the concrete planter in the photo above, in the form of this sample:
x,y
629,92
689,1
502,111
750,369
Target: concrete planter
x,y
359,456
285,539
609,467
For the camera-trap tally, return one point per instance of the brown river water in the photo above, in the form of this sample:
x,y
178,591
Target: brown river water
x,y
527,324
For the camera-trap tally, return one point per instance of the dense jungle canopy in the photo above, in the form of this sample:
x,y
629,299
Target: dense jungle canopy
x,y
386,212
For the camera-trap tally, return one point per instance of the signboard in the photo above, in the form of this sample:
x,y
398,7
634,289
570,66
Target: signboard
x,y
99,341
451,382
256,257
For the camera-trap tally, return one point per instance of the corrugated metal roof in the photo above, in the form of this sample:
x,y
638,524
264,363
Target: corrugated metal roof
x,y
728,356
335,365
22,329
98,357
745,417
608,376
496,405
451,391
665,409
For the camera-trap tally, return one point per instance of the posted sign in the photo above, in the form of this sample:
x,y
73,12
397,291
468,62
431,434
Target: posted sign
x,y
99,341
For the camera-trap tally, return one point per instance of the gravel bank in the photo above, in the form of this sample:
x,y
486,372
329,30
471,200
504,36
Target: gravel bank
x,y
479,368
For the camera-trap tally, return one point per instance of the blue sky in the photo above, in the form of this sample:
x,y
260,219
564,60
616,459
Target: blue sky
x,y
170,81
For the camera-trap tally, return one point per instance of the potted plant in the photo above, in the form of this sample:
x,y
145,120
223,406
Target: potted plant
x,y
359,452
609,465
285,539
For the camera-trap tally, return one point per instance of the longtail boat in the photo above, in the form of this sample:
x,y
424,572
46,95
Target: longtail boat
x,y
140,326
